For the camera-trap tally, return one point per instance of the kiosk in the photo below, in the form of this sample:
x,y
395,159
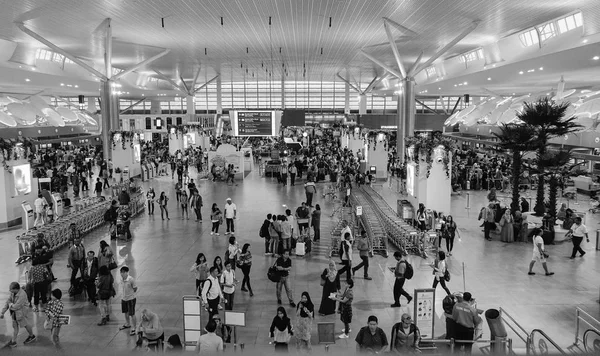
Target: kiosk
x,y
58,205
125,174
28,218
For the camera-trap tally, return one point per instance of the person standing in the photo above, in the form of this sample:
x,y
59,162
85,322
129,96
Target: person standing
x,y
209,343
150,196
539,253
106,290
245,262
90,272
451,229
371,338
228,282
183,200
162,204
363,252
315,221
39,278
284,173
230,216
286,232
281,330
216,218
211,293
345,298
401,266
196,204
18,307
98,187
305,314
466,318
128,300
200,269
439,269
579,231
75,259
284,266
293,171
40,209
330,280
264,233
55,308
310,189
405,336
507,233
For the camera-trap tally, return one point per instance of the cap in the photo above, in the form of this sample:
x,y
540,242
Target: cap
x,y
228,199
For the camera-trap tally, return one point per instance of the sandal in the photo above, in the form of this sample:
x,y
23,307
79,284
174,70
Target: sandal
x,y
123,327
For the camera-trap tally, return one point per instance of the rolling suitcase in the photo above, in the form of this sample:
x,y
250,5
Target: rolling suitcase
x,y
300,249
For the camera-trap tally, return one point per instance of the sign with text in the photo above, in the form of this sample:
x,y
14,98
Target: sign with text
x,y
254,123
358,210
424,307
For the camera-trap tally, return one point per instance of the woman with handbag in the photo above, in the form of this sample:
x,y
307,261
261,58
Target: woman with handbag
x,y
245,263
440,270
106,256
216,218
281,330
330,280
106,290
305,312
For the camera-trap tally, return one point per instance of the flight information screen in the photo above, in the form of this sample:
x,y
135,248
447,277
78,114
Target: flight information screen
x,y
254,123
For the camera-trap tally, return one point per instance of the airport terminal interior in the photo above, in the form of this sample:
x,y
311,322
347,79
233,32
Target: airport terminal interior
x,y
360,176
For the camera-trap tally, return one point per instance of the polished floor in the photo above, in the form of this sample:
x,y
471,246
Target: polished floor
x,y
162,252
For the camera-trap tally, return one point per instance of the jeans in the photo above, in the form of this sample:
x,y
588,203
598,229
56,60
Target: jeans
x,y
90,285
228,300
198,213
75,266
364,263
267,244
104,306
487,227
284,281
215,227
450,243
317,228
213,307
40,290
576,246
275,245
441,281
150,208
164,211
346,268
230,226
286,244
292,178
246,279
463,333
309,197
399,290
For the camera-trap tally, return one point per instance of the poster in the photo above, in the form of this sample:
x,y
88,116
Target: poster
x,y
425,311
137,155
410,179
22,179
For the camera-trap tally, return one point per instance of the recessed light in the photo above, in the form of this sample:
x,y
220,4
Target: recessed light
x,y
465,83
33,68
531,70
547,94
513,93
20,66
521,72
484,67
77,86
454,84
27,80
541,68
585,41
595,58
489,78
439,88
62,84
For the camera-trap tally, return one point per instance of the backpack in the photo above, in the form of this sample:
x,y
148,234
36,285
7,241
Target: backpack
x,y
76,288
264,229
409,272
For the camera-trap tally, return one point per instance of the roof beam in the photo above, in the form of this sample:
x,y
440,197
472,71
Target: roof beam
x,y
400,27
390,37
196,79
132,105
185,85
381,64
141,64
108,48
376,82
350,84
164,77
444,49
371,84
443,106
494,94
411,71
205,84
57,49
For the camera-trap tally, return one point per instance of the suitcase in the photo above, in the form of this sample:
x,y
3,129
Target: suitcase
x,y
300,248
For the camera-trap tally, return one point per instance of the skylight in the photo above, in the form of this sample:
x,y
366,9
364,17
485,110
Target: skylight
x,y
529,38
547,31
570,22
472,56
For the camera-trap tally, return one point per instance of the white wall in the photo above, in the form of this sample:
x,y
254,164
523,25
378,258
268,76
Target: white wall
x,y
434,191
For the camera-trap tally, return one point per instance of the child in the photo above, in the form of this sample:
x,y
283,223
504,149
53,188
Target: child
x,y
53,311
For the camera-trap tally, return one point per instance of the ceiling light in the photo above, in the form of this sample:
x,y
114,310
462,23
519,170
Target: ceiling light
x,y
541,68
454,84
62,84
20,66
77,86
439,88
513,93
595,58
33,68
531,70
521,72
465,83
484,67
27,80
69,85
493,65
489,78
585,41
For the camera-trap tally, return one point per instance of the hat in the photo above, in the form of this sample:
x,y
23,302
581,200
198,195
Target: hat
x,y
228,199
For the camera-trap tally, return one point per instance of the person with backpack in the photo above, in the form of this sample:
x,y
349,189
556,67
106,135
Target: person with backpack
x,y
403,271
363,248
405,335
264,233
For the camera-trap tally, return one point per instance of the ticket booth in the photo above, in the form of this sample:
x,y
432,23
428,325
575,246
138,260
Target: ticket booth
x,y
28,218
145,174
45,184
57,201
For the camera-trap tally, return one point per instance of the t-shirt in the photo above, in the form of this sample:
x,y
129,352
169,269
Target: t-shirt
x,y
230,210
209,344
227,278
285,264
537,240
579,230
129,288
39,205
366,340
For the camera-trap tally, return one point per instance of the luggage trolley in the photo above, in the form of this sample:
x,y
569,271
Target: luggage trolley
x,y
25,243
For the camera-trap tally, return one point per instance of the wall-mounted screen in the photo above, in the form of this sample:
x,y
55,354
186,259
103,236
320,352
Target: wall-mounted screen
x,y
254,123
22,177
137,153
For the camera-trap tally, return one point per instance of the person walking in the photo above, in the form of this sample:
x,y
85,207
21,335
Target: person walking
x,y
105,254
162,203
281,330
98,188
245,263
539,253
53,312
399,273
284,173
363,252
200,270
310,189
579,231
216,218
209,343
264,233
305,314
90,273
106,290
330,280
228,281
150,197
230,215
346,256
75,259
196,204
211,293
39,278
345,299
405,336
466,318
315,222
18,307
451,234
293,171
232,252
439,269
284,266
128,300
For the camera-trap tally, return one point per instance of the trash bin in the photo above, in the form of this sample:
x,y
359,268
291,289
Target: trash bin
x,y
497,329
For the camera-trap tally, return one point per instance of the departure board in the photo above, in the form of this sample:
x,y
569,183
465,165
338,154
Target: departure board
x,y
254,123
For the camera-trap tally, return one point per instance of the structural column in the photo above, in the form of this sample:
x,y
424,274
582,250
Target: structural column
x,y
219,95
362,104
190,107
347,99
406,115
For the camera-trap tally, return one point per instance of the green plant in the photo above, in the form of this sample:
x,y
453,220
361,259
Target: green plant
x,y
423,148
554,161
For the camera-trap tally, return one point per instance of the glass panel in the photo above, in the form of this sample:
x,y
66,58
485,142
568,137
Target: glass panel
x,y
578,19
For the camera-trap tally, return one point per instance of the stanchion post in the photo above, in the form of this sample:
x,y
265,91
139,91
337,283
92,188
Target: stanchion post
x,y
464,279
468,201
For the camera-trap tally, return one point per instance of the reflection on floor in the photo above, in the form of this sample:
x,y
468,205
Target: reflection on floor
x,y
162,252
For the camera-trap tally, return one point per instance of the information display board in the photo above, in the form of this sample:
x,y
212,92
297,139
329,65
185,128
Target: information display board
x,y
424,306
326,333
192,321
254,123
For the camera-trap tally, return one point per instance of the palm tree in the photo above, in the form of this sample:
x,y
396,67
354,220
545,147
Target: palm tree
x,y
518,139
548,120
554,162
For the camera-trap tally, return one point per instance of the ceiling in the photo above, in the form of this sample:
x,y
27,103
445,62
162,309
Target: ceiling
x,y
301,42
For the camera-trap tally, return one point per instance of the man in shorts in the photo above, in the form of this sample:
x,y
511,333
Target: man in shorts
x,y
539,254
128,301
18,306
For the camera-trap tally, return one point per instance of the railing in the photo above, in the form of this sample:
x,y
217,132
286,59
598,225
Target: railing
x,y
505,344
519,331
595,327
542,345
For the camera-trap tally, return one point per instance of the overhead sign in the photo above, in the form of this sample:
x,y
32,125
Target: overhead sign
x,y
254,123
358,210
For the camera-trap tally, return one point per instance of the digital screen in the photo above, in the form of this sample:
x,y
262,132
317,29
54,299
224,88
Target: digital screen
x,y
137,155
22,179
254,123
191,138
410,179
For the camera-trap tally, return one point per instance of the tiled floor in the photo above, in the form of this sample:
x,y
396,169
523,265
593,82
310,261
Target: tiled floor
x,y
162,252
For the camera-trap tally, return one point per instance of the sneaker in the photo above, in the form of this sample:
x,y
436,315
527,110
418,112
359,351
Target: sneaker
x,y
132,332
278,301
582,254
11,344
395,305
531,273
212,233
344,331
244,290
292,304
572,257
217,234
549,273
409,299
30,339
368,278
123,327
220,307
343,336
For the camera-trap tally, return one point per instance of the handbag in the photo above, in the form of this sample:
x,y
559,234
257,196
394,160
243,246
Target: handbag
x,y
47,324
447,276
281,337
112,264
273,274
